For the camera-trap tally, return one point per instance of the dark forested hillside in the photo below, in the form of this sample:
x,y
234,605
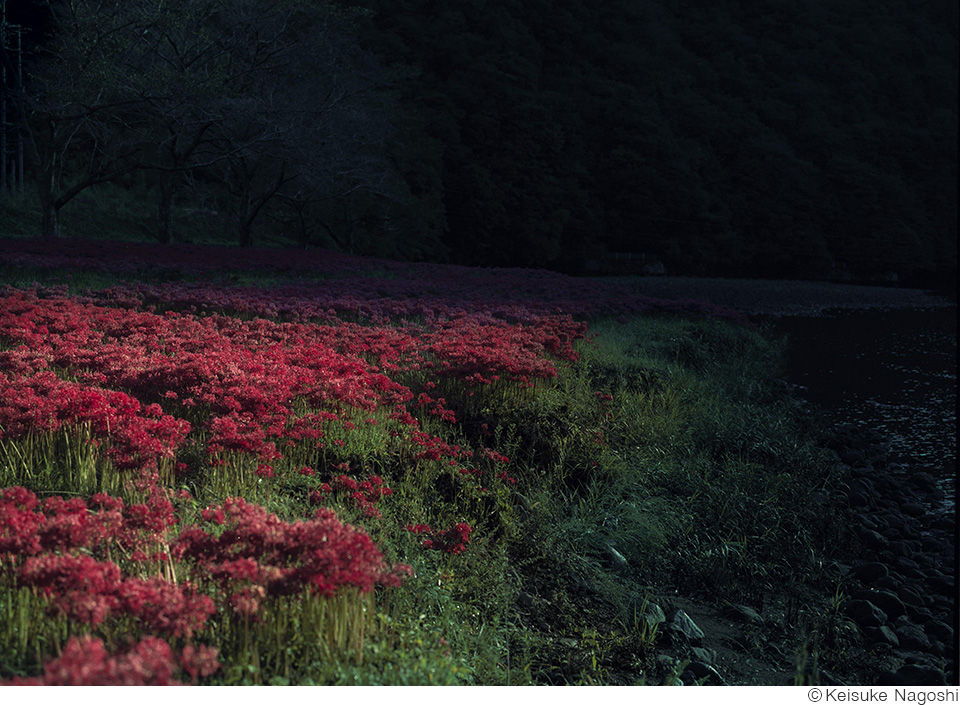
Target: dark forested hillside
x,y
778,138
770,138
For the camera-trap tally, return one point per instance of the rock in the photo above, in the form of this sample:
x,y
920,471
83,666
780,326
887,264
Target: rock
x,y
741,613
892,582
939,630
702,672
876,636
865,614
912,637
934,498
920,615
943,524
943,584
894,518
666,660
683,626
869,572
861,492
923,480
873,540
617,560
915,674
886,601
910,596
908,566
943,604
912,509
653,615
708,656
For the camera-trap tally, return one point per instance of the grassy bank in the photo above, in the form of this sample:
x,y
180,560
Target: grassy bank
x,y
655,460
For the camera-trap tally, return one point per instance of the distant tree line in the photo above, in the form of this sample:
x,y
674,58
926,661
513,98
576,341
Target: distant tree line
x,y
252,110
778,138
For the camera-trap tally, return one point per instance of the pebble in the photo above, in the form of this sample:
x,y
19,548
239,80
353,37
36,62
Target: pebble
x,y
881,635
911,636
698,670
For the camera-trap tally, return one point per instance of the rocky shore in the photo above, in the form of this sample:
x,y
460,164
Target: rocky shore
x,y
904,587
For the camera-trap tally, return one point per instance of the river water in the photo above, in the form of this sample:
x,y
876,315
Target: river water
x,y
894,371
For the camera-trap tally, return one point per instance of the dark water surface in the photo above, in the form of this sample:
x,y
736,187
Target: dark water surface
x,y
894,371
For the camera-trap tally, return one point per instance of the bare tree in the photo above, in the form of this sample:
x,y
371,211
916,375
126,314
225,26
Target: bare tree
x,y
266,99
80,100
312,121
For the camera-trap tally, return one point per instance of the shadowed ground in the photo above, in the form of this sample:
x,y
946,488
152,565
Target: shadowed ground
x,y
780,297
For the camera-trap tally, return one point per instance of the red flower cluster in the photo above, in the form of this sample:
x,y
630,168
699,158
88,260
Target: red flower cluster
x,y
52,547
89,591
59,525
453,540
256,555
241,381
364,494
137,435
151,661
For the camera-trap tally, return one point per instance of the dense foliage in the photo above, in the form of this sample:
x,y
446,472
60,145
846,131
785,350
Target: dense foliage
x,y
814,139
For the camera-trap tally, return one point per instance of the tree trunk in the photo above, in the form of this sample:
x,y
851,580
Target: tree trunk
x,y
50,224
302,234
246,232
165,211
50,212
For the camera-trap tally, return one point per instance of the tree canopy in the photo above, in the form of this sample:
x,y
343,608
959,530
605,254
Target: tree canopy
x,y
786,138
776,138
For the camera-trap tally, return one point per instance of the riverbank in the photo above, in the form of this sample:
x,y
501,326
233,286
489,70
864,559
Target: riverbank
x,y
862,352
764,297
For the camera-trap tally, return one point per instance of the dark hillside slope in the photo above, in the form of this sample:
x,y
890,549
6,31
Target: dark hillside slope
x,y
811,139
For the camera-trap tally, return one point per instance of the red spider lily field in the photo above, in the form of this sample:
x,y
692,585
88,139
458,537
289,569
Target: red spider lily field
x,y
276,467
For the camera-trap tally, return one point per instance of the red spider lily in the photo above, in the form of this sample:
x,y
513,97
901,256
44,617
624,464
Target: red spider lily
x,y
58,525
151,661
453,540
165,608
89,591
257,555
82,588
